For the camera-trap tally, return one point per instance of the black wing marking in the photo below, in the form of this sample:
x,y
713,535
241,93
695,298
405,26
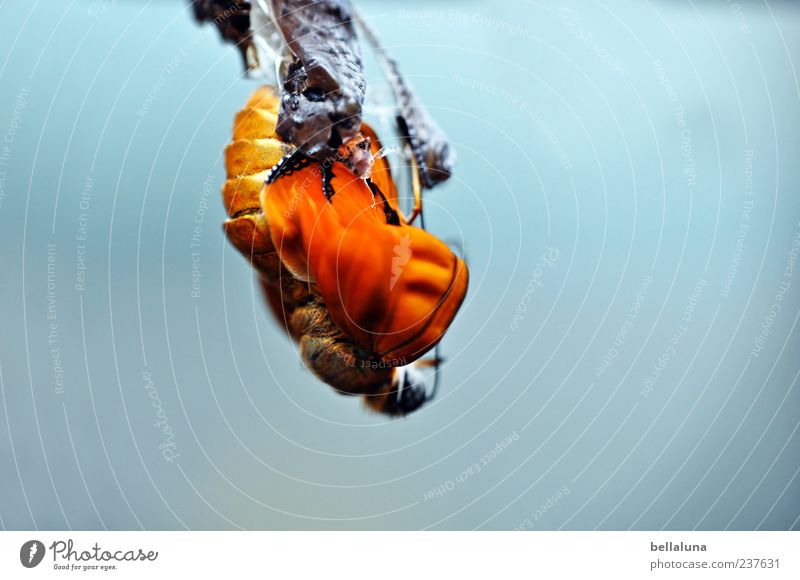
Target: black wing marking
x,y
327,177
391,215
290,163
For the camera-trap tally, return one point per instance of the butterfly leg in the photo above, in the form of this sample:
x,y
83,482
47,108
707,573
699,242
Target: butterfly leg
x,y
417,191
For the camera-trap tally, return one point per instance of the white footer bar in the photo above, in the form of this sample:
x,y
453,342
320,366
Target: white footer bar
x,y
400,555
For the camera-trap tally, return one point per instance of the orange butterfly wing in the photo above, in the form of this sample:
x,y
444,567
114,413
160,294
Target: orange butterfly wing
x,y
394,289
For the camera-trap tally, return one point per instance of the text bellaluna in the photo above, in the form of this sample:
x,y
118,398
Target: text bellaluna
x,y
679,547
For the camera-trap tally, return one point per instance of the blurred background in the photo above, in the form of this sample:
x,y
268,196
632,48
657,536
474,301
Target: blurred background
x,y
626,358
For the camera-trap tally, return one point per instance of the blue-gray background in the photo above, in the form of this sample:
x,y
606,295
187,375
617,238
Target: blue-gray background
x,y
640,377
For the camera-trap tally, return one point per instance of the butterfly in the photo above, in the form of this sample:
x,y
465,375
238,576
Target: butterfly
x,y
364,292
